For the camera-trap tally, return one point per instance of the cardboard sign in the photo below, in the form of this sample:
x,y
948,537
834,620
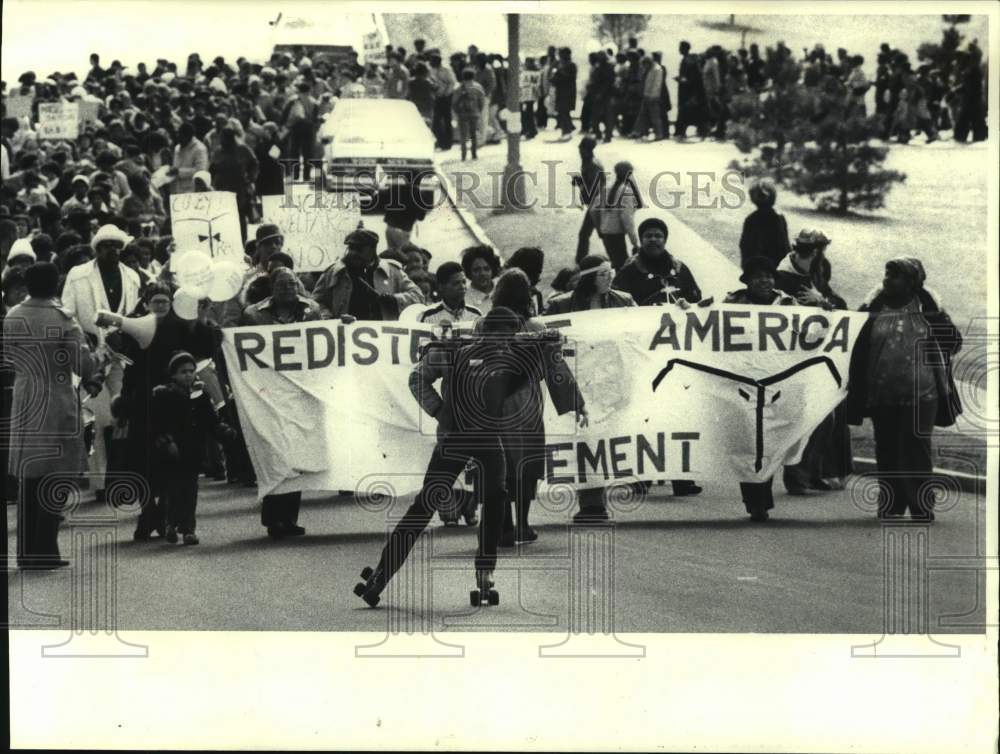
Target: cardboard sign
x,y
19,105
208,222
314,225
58,120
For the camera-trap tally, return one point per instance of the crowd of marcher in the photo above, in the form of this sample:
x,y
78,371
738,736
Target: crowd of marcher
x,y
84,232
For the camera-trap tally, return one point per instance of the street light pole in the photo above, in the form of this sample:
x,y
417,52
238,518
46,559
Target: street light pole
x,y
512,195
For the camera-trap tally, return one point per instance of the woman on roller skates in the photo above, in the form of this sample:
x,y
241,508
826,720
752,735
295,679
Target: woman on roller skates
x,y
484,371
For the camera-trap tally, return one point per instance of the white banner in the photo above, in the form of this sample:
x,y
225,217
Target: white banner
x,y
720,392
58,120
208,222
314,225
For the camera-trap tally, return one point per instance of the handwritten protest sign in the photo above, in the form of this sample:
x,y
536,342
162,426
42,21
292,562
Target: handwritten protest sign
x,y
58,120
19,105
208,222
374,50
314,225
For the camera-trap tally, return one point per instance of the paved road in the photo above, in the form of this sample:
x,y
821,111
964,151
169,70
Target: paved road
x,y
680,565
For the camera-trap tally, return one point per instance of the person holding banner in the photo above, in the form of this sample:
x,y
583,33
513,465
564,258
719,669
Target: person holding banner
x,y
362,286
593,291
654,276
280,513
758,276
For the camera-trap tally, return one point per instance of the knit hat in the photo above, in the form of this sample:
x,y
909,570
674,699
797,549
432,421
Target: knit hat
x,y
22,248
81,179
810,237
911,267
110,233
268,231
180,357
754,265
653,222
362,237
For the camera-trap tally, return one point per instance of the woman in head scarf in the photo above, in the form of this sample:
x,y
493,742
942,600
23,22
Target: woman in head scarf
x,y
900,377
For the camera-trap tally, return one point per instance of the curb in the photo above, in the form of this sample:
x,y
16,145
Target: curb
x,y
966,482
464,215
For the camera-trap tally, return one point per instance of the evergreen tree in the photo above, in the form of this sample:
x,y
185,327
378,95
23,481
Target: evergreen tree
x,y
812,139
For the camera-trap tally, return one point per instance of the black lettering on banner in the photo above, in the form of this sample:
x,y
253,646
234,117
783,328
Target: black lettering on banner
x,y
666,334
645,450
796,332
340,346
772,331
840,335
248,344
584,458
281,350
731,330
370,348
694,326
417,338
685,438
619,457
823,322
552,463
323,334
395,332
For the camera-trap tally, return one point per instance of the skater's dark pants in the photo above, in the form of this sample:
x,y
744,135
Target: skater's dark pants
x,y
563,120
449,459
529,130
38,522
758,496
181,488
276,510
903,456
467,130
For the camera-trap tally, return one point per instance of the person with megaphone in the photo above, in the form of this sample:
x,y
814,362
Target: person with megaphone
x,y
146,341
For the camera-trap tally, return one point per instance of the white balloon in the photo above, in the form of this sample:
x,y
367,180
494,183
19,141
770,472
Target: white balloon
x,y
412,313
186,304
193,270
227,279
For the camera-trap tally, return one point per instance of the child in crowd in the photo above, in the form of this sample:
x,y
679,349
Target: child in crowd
x,y
467,103
182,415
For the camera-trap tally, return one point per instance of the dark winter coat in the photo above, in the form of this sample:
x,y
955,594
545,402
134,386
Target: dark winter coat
x,y
946,341
636,279
765,234
180,423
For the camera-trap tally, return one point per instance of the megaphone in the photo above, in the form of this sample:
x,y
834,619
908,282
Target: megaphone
x,y
142,329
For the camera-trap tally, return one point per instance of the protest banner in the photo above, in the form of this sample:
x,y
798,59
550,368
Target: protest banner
x,y
208,222
58,120
727,392
19,105
314,225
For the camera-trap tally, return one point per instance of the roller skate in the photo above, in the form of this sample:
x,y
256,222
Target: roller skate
x,y
484,594
370,589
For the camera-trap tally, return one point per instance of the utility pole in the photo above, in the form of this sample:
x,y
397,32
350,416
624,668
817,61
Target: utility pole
x,y
512,193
